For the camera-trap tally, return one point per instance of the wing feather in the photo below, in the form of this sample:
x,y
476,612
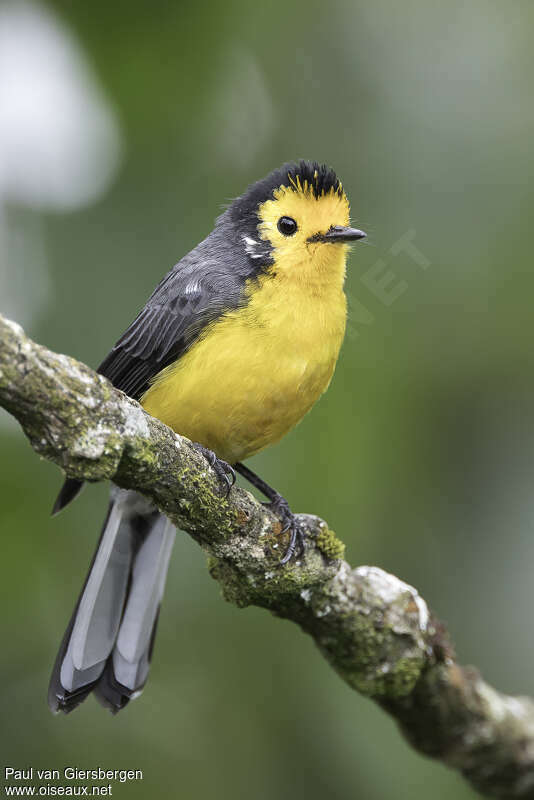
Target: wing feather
x,y
205,284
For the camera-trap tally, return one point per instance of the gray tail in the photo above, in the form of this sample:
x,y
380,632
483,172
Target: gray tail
x,y
108,644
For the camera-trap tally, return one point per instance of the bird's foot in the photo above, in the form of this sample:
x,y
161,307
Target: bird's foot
x,y
225,472
280,507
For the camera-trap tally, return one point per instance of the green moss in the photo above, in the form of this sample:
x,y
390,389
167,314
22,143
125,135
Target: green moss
x,y
201,501
286,582
371,658
233,587
393,683
329,544
406,674
145,454
212,565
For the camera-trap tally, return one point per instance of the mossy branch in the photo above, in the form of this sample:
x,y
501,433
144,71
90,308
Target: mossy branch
x,y
375,630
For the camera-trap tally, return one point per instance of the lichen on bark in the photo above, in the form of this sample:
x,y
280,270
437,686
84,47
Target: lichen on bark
x,y
375,630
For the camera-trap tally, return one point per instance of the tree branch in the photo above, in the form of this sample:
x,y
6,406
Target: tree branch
x,y
375,630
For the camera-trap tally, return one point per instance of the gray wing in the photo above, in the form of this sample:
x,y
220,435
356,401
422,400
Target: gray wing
x,y
199,289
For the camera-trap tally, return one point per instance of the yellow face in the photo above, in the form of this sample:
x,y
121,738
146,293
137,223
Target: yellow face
x,y
297,254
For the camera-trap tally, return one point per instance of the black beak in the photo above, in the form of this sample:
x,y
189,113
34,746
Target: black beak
x,y
337,233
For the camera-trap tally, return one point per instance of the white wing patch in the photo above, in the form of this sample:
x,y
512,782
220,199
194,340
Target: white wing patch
x,y
192,288
250,246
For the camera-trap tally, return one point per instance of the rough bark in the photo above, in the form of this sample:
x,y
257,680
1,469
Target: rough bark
x,y
375,630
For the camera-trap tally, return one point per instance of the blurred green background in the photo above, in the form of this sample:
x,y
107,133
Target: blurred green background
x,y
123,128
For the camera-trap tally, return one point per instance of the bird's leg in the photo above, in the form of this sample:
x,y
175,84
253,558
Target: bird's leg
x,y
280,507
225,472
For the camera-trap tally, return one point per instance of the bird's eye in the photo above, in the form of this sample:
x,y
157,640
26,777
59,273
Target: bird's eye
x,y
287,226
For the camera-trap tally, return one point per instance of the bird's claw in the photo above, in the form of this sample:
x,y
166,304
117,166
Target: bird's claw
x,y
280,507
224,471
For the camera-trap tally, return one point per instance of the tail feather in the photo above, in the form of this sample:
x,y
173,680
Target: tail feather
x,y
107,645
129,664
99,612
59,698
71,488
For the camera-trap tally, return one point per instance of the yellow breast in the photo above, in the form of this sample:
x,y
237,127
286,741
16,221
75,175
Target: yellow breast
x,y
256,371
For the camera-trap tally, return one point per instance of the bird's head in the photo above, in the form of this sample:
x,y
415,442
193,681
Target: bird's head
x,y
296,220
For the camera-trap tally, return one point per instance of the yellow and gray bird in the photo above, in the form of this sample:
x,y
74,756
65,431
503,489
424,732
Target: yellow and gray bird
x,y
232,349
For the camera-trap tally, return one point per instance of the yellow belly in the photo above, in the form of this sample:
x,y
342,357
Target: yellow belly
x,y
255,372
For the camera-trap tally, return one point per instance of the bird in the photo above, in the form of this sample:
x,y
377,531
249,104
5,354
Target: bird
x,y
234,346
